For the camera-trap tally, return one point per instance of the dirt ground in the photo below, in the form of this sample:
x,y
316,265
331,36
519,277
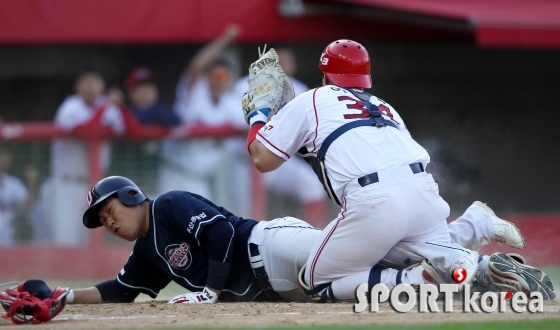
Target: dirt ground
x,y
157,314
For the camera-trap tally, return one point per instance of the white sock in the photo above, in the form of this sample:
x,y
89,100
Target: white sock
x,y
389,277
483,277
413,275
70,297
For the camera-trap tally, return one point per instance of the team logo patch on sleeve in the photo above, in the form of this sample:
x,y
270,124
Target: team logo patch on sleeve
x,y
179,255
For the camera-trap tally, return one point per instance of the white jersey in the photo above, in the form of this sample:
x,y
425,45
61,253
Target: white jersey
x,y
195,106
13,194
69,155
306,121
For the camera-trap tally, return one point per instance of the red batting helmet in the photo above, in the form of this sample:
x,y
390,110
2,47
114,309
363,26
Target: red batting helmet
x,y
346,64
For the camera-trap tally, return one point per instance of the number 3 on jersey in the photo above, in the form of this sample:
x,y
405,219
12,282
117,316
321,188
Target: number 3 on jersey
x,y
359,105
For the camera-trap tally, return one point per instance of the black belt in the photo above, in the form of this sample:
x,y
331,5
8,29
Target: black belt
x,y
261,275
374,177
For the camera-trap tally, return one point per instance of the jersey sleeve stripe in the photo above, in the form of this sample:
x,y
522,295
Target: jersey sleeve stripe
x,y
231,240
275,147
138,288
316,121
239,293
200,225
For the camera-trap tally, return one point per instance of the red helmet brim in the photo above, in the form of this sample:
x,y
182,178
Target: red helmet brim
x,y
350,80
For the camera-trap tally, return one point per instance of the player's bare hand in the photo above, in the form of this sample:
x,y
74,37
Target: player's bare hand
x,y
232,31
115,96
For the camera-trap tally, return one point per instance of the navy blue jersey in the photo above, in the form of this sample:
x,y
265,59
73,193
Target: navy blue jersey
x,y
158,113
177,248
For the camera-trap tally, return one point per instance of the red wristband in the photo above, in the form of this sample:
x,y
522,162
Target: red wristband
x,y
253,134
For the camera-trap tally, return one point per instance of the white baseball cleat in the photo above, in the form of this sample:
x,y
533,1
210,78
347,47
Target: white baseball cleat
x,y
505,231
509,274
437,276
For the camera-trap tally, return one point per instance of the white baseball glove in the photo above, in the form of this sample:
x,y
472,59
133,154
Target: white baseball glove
x,y
266,88
288,94
207,296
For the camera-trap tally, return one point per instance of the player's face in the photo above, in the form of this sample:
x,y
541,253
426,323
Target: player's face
x,y
287,61
219,79
126,222
90,87
144,95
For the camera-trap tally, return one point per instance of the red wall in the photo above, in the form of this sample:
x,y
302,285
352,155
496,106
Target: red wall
x,y
169,21
541,234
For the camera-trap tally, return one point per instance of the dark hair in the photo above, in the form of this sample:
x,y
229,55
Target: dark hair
x,y
86,73
220,62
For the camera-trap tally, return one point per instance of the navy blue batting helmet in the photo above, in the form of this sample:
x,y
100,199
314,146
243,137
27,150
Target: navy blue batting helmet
x,y
125,189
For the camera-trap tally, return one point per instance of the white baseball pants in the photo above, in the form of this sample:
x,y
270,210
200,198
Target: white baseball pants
x,y
402,209
286,244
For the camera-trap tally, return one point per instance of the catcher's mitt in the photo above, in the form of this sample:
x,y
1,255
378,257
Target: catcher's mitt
x,y
32,302
269,87
288,94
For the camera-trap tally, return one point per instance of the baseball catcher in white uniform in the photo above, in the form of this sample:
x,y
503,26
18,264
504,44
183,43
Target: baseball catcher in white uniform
x,y
363,154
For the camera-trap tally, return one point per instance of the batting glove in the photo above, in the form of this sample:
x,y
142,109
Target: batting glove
x,y
207,296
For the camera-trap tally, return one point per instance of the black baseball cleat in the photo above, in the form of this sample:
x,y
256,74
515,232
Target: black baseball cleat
x,y
509,274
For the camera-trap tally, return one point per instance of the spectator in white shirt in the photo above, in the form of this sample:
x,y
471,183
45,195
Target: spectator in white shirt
x,y
85,113
13,195
204,97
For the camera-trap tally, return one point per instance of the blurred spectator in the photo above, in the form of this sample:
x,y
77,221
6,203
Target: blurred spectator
x,y
204,97
87,113
144,108
31,177
143,97
36,206
294,177
115,96
13,195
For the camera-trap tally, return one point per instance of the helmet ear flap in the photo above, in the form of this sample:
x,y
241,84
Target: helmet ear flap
x,y
131,196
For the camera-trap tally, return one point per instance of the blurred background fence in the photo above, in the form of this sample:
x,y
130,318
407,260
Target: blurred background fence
x,y
477,83
26,153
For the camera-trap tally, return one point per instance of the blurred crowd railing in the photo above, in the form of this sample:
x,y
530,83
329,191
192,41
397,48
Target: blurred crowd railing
x,y
134,156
